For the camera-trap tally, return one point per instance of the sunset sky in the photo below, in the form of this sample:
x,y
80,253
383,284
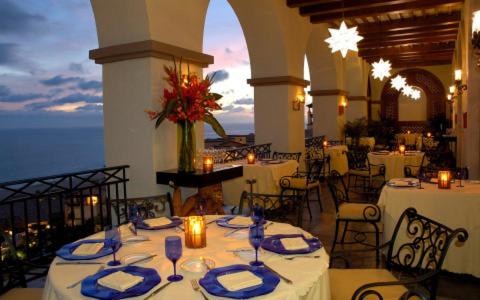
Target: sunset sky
x,y
47,80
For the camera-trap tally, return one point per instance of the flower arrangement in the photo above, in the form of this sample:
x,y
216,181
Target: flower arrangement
x,y
187,100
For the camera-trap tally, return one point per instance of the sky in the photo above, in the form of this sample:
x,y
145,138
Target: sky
x,y
47,79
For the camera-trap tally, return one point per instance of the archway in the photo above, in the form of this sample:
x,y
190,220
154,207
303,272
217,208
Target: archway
x,y
428,83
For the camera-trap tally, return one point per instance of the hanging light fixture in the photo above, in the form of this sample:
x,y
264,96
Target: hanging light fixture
x,y
415,94
343,39
381,69
398,82
407,90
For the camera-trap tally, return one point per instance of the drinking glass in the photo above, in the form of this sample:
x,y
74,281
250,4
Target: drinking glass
x,y
256,235
420,175
113,237
460,175
201,206
134,217
173,251
257,214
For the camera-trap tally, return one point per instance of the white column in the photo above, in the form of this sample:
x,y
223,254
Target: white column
x,y
328,118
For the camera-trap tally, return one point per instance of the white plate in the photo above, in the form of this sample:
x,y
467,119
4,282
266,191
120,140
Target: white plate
x,y
131,258
196,264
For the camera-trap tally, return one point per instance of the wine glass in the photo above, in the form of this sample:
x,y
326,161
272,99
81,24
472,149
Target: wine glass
x,y
257,214
173,251
255,236
113,238
420,175
201,206
460,175
134,217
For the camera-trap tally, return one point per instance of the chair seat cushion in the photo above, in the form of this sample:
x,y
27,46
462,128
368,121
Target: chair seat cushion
x,y
344,282
299,183
22,293
354,211
364,172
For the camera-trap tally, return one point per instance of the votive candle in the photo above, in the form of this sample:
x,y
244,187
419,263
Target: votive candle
x,y
195,232
401,149
443,179
250,158
207,164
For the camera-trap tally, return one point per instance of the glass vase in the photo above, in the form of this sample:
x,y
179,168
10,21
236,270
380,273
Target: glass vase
x,y
186,146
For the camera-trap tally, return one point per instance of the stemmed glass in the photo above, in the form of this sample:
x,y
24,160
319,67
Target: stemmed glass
x,y
113,237
201,206
134,217
256,235
460,175
420,175
173,251
257,214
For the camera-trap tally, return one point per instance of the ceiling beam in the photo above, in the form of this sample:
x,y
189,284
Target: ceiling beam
x,y
423,57
322,16
412,23
420,39
347,5
434,29
425,48
300,3
412,64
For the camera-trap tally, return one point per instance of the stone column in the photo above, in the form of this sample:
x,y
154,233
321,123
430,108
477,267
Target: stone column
x,y
132,82
329,113
276,120
357,107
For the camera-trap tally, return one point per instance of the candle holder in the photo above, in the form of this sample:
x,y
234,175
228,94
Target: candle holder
x,y
195,232
401,149
207,164
444,179
250,158
325,144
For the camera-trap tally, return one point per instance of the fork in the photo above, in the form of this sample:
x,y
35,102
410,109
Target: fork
x,y
196,288
78,282
300,256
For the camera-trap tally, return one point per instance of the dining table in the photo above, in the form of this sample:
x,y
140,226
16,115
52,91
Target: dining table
x,y
395,162
267,174
225,247
457,207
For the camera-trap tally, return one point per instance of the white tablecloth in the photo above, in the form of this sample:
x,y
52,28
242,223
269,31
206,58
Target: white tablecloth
x,y
309,276
267,176
457,207
338,158
395,163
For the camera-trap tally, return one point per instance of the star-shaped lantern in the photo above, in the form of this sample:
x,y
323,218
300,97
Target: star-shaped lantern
x,y
415,94
407,90
381,69
398,82
343,39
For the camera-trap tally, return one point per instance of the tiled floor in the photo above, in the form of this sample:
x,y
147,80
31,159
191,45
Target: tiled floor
x,y
323,225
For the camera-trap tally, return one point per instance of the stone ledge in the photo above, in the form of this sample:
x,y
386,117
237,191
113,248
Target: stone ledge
x,y
278,80
148,48
328,93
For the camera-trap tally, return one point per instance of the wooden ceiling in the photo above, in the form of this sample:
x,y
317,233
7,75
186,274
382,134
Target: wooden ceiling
x,y
406,32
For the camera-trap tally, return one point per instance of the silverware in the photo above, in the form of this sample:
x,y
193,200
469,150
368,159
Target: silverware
x,y
196,288
134,232
180,228
205,263
212,221
240,250
300,256
157,290
278,274
141,260
232,232
60,263
80,281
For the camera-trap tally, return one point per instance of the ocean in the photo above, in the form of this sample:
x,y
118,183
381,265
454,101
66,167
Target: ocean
x,y
37,152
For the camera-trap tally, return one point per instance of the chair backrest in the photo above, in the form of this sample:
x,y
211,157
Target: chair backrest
x,y
316,141
337,188
358,158
413,170
287,155
419,244
149,207
260,151
315,167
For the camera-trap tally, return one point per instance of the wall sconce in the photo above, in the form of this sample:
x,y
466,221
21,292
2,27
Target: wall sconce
x,y
341,107
458,82
298,102
476,30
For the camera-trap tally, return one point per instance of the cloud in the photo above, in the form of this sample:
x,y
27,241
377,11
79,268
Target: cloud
x,y
76,67
6,95
60,80
228,51
91,108
9,54
78,97
227,108
237,109
219,75
244,101
90,85
13,20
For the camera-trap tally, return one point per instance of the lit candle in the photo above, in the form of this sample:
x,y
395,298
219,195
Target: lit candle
x,y
250,158
451,89
325,144
429,134
401,149
458,75
207,164
91,200
443,179
408,131
195,233
449,97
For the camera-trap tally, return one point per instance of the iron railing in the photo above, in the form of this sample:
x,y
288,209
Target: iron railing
x,y
260,151
42,214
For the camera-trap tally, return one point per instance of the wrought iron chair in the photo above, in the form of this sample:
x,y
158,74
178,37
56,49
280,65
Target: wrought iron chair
x,y
287,155
149,207
302,183
313,153
348,212
360,168
15,272
412,170
417,249
276,207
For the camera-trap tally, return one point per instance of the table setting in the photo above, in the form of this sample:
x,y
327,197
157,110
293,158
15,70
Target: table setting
x,y
199,258
395,162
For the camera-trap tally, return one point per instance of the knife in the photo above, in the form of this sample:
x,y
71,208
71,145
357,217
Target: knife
x,y
278,274
158,290
141,260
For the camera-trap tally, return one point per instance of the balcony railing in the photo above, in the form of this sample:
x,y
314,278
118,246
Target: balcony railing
x,y
42,214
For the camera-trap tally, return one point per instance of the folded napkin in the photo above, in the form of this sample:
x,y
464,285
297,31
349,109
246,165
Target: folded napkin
x,y
400,182
88,249
240,280
120,281
157,222
296,243
240,221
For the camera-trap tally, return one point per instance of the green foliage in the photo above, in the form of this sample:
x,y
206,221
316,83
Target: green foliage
x,y
357,128
383,131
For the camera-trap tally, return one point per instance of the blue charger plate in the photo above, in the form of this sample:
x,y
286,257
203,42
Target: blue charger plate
x,y
66,251
91,288
274,244
210,283
175,222
224,222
